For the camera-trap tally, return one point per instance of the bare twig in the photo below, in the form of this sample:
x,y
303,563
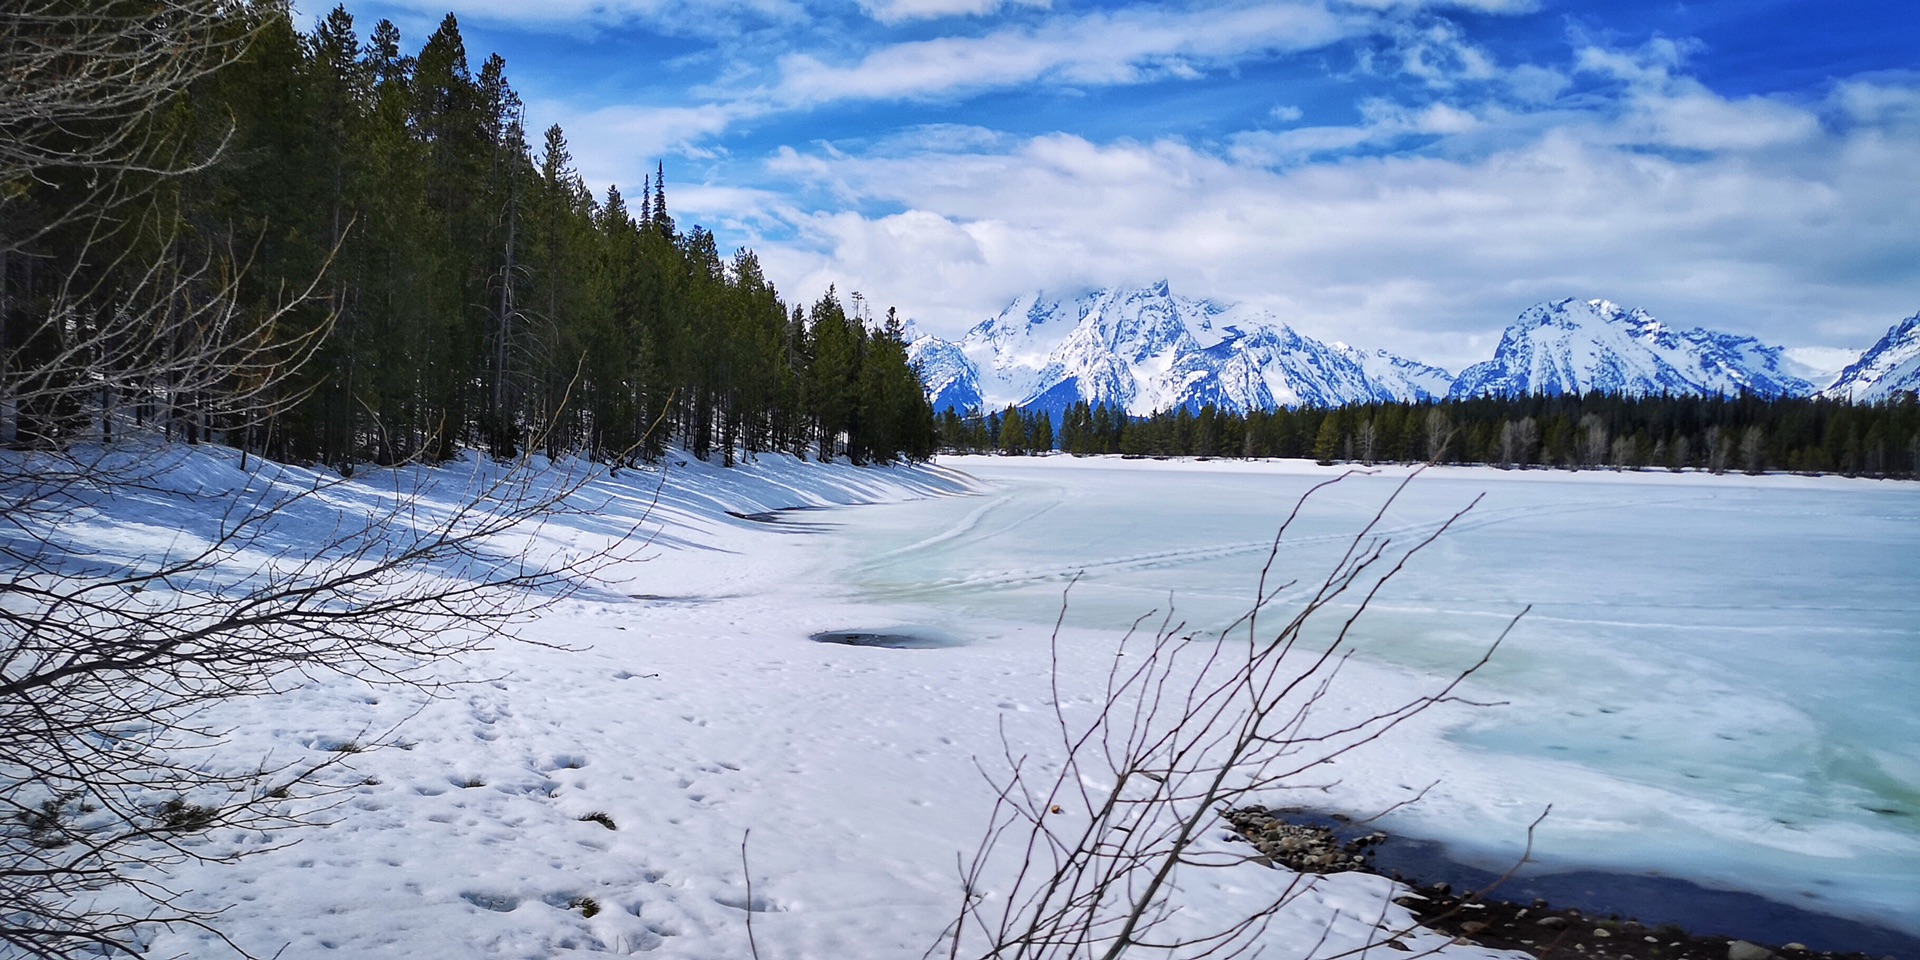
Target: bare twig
x,y
753,946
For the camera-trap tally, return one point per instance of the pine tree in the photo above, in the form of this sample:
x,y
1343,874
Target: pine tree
x,y
1327,442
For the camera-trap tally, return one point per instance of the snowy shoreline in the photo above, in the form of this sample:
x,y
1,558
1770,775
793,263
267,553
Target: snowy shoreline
x,y
687,708
624,756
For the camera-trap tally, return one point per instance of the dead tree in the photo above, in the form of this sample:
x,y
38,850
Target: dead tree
x,y
1087,841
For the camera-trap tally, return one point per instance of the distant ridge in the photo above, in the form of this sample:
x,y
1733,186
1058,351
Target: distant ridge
x,y
1145,349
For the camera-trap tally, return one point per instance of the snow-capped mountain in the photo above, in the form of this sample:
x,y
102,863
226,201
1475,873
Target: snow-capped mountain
x,y
1400,376
1888,367
1573,346
1149,349
950,378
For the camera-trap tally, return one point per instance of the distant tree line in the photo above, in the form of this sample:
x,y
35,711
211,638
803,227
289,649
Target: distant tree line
x,y
471,291
1596,430
1010,431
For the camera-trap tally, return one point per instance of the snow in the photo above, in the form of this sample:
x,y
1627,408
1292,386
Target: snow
x,y
659,721
1148,349
1573,346
682,698
1819,366
1888,367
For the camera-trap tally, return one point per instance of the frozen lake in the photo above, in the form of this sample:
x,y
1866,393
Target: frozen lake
x,y
1717,680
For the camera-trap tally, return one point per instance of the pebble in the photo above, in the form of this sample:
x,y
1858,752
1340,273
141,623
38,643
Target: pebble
x,y
1601,932
1555,923
1742,950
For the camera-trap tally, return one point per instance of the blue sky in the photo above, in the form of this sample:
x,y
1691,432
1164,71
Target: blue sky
x,y
1400,173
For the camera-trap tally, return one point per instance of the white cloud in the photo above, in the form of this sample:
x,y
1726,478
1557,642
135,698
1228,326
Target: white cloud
x,y
1696,119
1881,101
1665,110
620,144
1536,84
696,17
897,11
1651,65
1382,122
1427,254
1123,46
1483,6
1438,54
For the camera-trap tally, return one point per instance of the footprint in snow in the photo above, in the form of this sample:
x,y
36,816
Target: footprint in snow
x,y
739,901
498,903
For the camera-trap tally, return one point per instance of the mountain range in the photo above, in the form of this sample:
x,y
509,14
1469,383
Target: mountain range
x,y
1146,349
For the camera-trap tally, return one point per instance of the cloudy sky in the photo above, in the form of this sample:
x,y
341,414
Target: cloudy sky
x,y
1408,174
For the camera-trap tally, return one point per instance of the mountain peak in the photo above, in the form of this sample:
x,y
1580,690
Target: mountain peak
x,y
1888,367
1572,347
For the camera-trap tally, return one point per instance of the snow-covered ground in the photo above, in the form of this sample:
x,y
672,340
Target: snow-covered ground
x,y
686,705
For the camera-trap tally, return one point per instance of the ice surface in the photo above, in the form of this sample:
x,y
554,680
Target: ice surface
x,y
1715,681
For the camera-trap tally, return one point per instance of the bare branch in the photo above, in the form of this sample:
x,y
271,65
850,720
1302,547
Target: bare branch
x,y
1185,729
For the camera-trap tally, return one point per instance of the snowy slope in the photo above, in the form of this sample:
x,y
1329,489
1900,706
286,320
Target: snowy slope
x,y
1405,379
1888,367
1149,349
1572,346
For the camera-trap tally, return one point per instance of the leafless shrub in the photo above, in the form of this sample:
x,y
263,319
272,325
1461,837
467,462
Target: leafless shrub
x,y
80,87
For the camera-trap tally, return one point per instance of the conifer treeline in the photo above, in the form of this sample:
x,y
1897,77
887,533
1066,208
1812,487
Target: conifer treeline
x,y
473,292
1596,430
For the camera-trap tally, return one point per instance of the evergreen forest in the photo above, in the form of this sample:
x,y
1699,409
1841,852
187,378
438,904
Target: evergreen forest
x,y
1719,434
392,268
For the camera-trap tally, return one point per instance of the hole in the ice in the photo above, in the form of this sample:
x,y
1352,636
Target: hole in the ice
x,y
893,638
